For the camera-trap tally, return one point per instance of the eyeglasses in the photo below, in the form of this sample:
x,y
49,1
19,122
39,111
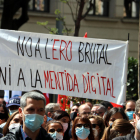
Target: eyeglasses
x,y
84,125
84,113
96,113
53,130
94,125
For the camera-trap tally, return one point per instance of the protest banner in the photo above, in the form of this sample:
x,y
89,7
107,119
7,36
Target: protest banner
x,y
73,66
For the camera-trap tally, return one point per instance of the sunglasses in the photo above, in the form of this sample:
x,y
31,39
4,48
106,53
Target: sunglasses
x,y
84,125
53,130
94,125
75,110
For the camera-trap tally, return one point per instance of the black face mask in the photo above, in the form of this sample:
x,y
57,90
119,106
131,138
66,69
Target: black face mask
x,y
73,115
2,116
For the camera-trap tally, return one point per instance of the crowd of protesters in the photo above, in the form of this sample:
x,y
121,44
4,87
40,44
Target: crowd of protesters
x,y
29,118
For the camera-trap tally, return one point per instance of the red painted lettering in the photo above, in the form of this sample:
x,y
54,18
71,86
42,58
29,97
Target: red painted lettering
x,y
54,49
103,83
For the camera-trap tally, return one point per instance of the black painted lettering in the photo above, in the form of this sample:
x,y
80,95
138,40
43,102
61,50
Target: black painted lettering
x,y
37,48
106,55
97,51
4,78
46,49
102,55
30,47
80,52
9,75
87,51
21,78
20,47
38,78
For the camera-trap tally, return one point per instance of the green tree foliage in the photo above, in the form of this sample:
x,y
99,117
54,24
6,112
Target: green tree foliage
x,y
132,79
65,31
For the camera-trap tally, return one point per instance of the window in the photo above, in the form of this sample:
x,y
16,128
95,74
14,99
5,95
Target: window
x,y
100,8
39,5
35,5
131,8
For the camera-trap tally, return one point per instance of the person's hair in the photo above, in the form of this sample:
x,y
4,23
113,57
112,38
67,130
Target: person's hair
x,y
5,112
3,102
57,116
137,107
113,111
101,107
86,121
109,134
37,91
106,104
100,123
32,95
121,126
50,122
76,104
5,129
50,107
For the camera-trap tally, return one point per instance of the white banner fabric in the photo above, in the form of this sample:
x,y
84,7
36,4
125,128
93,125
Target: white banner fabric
x,y
73,66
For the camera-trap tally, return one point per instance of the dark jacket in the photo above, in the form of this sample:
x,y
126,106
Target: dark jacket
x,y
127,137
15,134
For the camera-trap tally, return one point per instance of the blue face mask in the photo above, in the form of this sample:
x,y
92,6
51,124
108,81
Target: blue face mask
x,y
130,114
12,111
82,132
56,136
33,121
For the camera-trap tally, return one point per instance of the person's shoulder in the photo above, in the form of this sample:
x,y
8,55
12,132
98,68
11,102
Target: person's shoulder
x,y
12,135
120,138
8,137
127,137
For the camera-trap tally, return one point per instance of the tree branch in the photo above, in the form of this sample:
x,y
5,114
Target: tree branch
x,y
71,11
77,10
86,13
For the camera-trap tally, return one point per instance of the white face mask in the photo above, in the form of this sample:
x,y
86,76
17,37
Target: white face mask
x,y
138,125
65,126
13,125
56,136
95,132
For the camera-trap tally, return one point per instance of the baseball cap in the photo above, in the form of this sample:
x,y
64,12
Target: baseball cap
x,y
14,101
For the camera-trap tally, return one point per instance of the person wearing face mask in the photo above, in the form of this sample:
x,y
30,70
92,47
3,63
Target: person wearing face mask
x,y
32,111
13,121
55,129
82,129
3,116
113,114
130,108
98,126
13,104
64,118
120,127
135,134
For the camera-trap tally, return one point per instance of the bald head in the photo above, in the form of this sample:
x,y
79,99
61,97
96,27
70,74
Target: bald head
x,y
130,106
84,110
